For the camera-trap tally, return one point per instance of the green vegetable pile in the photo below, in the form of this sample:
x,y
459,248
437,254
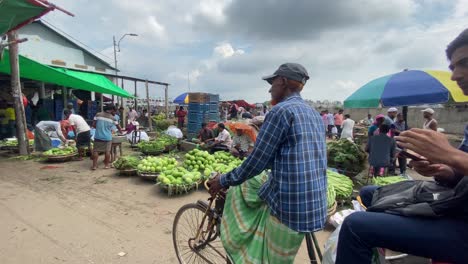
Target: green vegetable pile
x,y
221,162
60,152
14,143
160,122
156,165
342,185
158,145
344,154
225,162
160,116
382,181
331,196
179,180
199,160
126,163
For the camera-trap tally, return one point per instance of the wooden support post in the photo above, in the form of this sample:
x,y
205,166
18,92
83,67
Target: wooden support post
x,y
124,117
102,102
21,127
135,102
42,91
166,100
64,97
121,98
150,123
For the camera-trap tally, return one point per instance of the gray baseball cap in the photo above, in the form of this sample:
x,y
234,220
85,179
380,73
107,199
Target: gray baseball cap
x,y
292,71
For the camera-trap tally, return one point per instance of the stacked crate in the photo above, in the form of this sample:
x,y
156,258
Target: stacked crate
x,y
202,108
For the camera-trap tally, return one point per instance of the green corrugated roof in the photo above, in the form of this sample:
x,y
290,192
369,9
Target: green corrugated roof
x,y
34,70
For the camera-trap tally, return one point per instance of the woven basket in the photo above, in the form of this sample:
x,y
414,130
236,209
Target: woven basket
x,y
332,210
61,158
179,189
148,176
152,153
130,172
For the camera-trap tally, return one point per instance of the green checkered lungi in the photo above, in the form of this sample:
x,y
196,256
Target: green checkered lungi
x,y
250,234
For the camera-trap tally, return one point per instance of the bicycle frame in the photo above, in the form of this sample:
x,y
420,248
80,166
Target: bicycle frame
x,y
212,232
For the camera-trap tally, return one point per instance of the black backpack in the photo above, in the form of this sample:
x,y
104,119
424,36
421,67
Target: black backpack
x,y
422,198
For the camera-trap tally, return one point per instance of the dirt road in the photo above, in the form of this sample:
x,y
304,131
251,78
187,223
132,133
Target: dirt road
x,y
68,214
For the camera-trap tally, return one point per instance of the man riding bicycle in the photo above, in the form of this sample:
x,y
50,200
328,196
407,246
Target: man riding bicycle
x,y
266,218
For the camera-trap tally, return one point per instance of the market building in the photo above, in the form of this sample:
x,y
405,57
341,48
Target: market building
x,y
56,70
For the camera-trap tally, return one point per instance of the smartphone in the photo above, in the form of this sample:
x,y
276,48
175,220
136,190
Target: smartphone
x,y
408,155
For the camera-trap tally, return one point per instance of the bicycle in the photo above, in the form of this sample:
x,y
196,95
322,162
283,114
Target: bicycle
x,y
200,243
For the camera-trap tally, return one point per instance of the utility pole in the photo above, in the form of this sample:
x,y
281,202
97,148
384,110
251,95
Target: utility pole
x,y
188,81
115,67
23,143
135,102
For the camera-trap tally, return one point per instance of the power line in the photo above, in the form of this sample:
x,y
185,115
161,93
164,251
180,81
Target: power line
x,y
71,37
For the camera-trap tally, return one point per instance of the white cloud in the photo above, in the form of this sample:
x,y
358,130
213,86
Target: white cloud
x,y
225,50
156,27
460,8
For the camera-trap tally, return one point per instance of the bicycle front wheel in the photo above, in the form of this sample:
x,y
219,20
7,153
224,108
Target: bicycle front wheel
x,y
190,248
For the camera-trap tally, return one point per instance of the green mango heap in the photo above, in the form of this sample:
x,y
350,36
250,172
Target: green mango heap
x,y
60,151
153,165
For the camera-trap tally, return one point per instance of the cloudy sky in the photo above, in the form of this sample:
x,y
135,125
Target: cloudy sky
x,y
226,46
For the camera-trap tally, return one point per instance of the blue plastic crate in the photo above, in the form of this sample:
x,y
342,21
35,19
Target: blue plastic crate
x,y
206,107
195,117
214,98
213,107
193,127
195,107
212,117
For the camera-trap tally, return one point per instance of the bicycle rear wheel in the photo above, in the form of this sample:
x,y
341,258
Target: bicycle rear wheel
x,y
186,226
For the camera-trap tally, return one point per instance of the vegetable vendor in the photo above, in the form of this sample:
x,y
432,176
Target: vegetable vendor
x,y
242,145
82,132
292,199
49,129
223,141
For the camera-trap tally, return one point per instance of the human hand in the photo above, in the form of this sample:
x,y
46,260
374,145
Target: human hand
x,y
439,171
215,185
430,143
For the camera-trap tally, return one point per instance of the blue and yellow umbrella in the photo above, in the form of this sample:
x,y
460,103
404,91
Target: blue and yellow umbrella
x,y
407,88
182,99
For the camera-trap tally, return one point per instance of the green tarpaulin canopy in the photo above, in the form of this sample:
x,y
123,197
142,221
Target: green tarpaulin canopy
x,y
34,70
15,13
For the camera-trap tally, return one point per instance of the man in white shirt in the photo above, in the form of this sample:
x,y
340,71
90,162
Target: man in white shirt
x,y
223,140
82,132
347,127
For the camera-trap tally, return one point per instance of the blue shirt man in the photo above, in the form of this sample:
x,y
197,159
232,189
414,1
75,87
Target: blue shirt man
x,y
292,143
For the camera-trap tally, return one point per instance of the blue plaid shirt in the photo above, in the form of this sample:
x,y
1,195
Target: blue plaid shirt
x,y
292,143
